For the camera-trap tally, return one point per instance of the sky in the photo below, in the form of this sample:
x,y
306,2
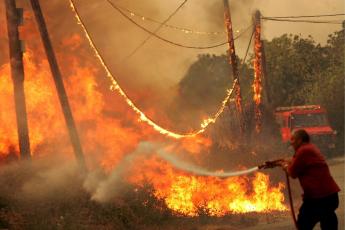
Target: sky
x,y
158,66
163,63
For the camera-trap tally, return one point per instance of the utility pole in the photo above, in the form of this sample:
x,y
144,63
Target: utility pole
x,y
233,63
257,84
14,19
66,109
264,74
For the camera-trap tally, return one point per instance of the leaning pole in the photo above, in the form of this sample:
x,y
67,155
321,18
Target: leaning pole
x,y
66,109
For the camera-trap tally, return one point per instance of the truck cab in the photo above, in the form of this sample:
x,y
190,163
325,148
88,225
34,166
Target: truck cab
x,y
312,118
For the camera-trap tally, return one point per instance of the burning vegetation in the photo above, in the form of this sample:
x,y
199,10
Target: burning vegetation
x,y
110,133
257,84
127,185
188,195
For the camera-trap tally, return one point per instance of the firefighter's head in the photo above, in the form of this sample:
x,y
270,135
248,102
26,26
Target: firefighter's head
x,y
298,138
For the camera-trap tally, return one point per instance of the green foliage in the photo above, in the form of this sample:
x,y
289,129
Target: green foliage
x,y
329,88
211,71
203,88
299,71
207,80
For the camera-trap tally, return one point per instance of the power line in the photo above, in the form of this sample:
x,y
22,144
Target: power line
x,y
181,29
247,51
310,16
303,21
143,117
169,41
156,30
250,41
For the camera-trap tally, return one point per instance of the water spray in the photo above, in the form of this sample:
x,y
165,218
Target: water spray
x,y
106,189
202,172
187,167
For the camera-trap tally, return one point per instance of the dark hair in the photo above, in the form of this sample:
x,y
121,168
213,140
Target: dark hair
x,y
303,135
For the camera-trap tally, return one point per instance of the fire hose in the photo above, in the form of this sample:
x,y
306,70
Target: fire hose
x,y
185,166
274,164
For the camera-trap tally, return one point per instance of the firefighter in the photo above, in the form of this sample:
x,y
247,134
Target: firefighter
x,y
320,198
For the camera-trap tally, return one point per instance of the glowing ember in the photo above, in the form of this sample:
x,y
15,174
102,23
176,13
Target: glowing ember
x,y
107,138
142,117
233,63
257,85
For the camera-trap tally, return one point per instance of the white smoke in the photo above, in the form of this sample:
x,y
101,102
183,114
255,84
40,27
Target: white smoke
x,y
50,178
107,188
103,189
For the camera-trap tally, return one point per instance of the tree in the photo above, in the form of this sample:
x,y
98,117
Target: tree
x,y
299,72
292,66
329,87
203,88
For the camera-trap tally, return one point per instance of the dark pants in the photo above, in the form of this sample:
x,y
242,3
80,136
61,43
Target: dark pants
x,y
320,210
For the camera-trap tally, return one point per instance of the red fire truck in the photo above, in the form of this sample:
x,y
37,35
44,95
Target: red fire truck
x,y
312,118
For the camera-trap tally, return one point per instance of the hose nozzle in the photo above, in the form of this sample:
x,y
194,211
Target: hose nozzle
x,y
271,164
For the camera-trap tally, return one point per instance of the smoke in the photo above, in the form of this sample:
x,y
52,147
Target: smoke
x,y
151,76
157,60
40,180
51,177
104,188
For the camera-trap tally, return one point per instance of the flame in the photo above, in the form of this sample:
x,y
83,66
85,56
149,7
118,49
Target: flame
x,y
188,195
100,131
233,63
257,84
107,135
142,117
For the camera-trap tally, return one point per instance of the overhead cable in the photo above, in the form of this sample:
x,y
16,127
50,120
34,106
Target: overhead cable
x,y
172,42
247,50
310,16
178,28
304,21
142,116
156,30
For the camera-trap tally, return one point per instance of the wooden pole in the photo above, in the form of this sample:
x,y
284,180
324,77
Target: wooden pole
x,y
257,71
66,109
233,63
264,74
13,16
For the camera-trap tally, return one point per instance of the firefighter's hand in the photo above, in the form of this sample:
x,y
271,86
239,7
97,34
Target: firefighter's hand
x,y
285,166
285,163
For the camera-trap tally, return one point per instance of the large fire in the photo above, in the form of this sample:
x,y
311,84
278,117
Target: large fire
x,y
191,195
108,133
142,116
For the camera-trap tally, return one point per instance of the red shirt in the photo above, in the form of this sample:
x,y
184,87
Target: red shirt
x,y
313,173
